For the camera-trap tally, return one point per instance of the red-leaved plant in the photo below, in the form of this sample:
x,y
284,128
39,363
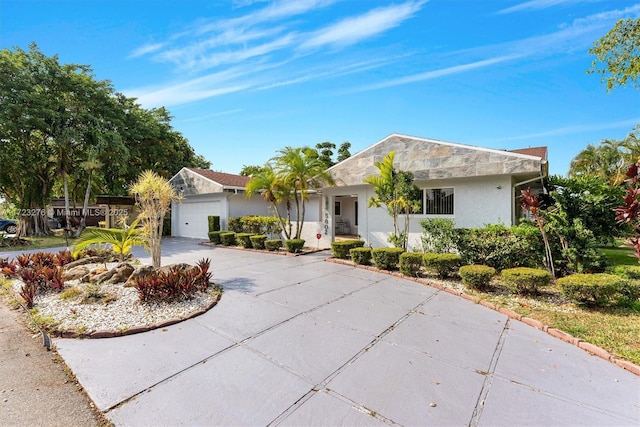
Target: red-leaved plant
x,y
630,212
531,203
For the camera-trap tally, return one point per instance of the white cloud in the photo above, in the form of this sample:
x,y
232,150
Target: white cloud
x,y
146,49
541,4
575,129
354,29
434,74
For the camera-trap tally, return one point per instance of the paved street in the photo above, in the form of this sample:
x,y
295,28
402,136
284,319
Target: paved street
x,y
299,341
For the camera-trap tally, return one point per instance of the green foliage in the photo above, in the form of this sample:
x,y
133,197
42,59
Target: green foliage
x,y
410,263
525,280
214,236
120,239
228,238
273,244
260,224
631,272
214,223
244,239
500,247
341,249
166,226
234,224
250,170
60,124
619,53
590,199
386,258
438,235
395,189
598,289
361,256
286,180
257,240
443,264
477,276
294,246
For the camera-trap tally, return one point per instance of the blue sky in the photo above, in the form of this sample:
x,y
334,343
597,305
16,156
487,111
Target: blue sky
x,y
245,78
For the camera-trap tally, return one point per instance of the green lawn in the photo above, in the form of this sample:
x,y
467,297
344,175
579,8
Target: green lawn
x,y
40,243
621,254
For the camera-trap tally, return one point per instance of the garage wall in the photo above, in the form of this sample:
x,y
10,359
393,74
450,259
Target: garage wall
x,y
189,218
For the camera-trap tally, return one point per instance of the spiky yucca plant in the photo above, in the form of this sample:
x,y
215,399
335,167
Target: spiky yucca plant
x,y
120,239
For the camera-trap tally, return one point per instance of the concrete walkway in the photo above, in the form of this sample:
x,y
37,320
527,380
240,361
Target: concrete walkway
x,y
298,341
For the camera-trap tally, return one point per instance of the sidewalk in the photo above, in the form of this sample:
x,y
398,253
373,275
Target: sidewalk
x,y
35,389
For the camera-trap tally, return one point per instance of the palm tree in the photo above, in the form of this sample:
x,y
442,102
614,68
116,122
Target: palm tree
x,y
120,239
273,190
302,170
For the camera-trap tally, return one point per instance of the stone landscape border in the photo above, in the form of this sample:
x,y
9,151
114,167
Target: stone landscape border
x,y
557,333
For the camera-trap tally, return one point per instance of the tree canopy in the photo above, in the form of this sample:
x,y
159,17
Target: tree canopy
x,y
608,160
618,55
60,128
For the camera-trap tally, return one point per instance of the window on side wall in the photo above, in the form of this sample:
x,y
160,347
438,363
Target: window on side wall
x,y
438,201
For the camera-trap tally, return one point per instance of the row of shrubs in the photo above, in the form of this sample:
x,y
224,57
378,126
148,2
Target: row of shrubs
x,y
620,286
253,224
254,241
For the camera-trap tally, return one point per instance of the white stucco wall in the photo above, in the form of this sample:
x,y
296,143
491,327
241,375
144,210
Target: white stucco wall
x,y
477,202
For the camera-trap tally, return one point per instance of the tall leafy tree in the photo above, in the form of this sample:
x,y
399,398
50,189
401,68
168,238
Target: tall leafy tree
x,y
395,189
56,120
618,55
325,152
343,151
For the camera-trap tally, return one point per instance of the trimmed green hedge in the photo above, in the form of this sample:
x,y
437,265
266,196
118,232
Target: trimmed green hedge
x,y
342,249
525,280
599,289
214,223
386,258
627,271
244,240
294,245
214,236
410,263
257,240
228,238
273,244
443,264
477,276
361,256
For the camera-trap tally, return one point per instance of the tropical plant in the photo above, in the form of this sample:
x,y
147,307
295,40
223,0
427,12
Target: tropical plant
x,y
120,239
618,51
153,196
532,204
395,189
287,179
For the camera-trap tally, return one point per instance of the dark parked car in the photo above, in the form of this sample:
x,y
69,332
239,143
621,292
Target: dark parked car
x,y
9,226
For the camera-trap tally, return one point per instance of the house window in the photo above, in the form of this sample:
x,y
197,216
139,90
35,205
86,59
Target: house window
x,y
337,209
438,201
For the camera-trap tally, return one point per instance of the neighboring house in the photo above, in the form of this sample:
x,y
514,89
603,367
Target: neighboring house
x,y
205,192
471,185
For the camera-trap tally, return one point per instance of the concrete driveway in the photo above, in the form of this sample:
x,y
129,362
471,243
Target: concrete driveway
x,y
299,341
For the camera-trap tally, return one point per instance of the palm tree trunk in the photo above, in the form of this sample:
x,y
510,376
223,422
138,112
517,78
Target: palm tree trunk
x,y
85,206
67,212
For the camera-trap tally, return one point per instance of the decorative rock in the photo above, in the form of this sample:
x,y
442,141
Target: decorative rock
x,y
75,273
83,261
138,272
121,274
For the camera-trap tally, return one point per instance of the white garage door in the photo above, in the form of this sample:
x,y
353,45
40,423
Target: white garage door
x,y
192,218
